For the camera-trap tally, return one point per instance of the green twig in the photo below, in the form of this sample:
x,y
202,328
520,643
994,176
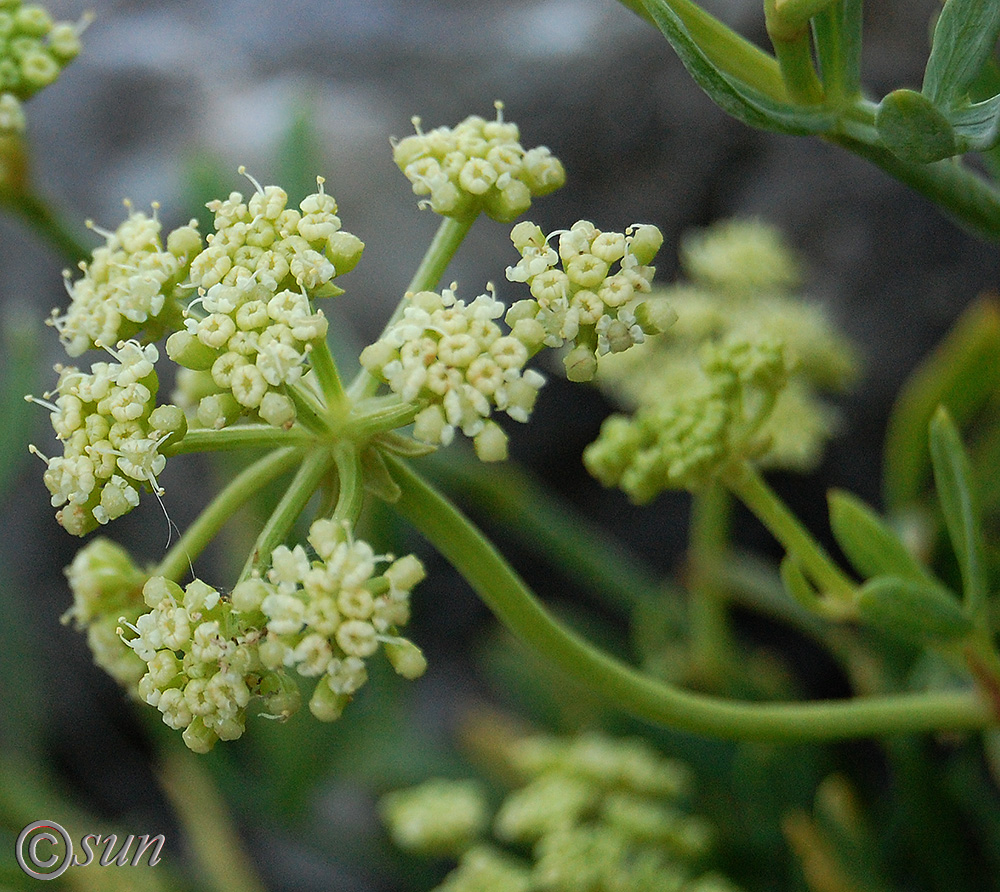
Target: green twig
x,y
45,222
515,605
244,436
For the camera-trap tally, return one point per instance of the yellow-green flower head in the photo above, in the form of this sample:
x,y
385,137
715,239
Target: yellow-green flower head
x,y
262,241
208,655
477,165
438,817
591,293
33,48
485,869
112,434
131,287
107,586
685,441
455,362
739,255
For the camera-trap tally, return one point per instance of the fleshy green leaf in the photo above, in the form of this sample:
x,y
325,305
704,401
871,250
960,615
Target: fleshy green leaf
x,y
956,493
964,38
732,94
913,129
962,373
871,546
921,613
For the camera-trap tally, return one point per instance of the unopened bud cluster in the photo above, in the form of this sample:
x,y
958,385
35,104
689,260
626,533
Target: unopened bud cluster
x,y
33,51
477,165
580,297
206,655
683,442
454,360
593,813
112,432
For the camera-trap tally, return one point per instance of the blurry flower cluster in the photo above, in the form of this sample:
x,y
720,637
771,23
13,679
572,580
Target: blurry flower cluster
x,y
740,374
590,813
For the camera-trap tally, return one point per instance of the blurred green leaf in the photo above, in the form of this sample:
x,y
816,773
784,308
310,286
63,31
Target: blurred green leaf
x,y
977,126
964,39
913,611
962,373
956,493
871,546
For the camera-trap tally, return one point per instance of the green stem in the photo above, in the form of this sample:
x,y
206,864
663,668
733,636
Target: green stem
x,y
306,481
797,13
45,222
728,51
793,51
450,234
515,605
832,52
712,647
244,436
178,559
351,494
309,412
751,489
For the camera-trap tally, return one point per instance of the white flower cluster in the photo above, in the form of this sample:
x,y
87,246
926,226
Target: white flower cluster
x,y
207,655
478,164
252,325
584,302
131,286
33,51
261,240
112,433
454,360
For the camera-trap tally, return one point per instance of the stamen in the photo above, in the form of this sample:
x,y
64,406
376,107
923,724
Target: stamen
x,y
242,171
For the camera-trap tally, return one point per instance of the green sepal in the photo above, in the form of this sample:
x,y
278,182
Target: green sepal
x,y
962,373
871,546
964,39
326,290
956,494
377,479
921,613
911,127
733,95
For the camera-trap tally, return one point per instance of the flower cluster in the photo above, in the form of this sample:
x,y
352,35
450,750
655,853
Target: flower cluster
x,y
454,360
477,165
252,326
33,52
684,441
132,285
578,297
207,655
739,273
595,813
112,434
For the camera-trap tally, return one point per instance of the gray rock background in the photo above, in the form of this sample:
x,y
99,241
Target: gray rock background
x,y
160,82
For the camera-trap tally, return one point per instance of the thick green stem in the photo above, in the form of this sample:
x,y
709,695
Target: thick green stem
x,y
306,481
450,234
712,649
751,489
244,436
794,54
515,605
351,492
178,559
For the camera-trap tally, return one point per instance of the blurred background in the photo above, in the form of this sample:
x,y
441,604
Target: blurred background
x,y
167,100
